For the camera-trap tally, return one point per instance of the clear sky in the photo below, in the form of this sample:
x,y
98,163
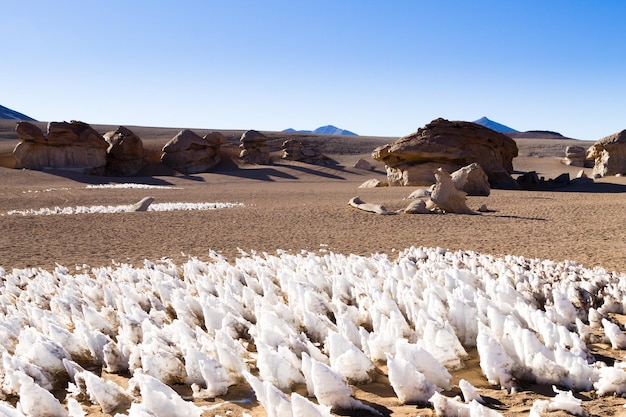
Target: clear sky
x,y
382,68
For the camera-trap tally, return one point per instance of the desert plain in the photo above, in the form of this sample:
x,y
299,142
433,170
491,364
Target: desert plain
x,y
294,207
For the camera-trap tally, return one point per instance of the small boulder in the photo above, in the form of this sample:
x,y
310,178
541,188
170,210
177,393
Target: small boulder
x,y
356,202
188,153
142,205
417,207
373,183
420,193
363,164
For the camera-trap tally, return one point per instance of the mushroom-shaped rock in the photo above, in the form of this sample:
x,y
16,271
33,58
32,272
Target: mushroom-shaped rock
x,y
72,146
125,152
609,155
254,149
471,179
412,159
447,197
188,153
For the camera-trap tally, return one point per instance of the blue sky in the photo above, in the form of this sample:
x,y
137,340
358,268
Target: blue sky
x,y
382,68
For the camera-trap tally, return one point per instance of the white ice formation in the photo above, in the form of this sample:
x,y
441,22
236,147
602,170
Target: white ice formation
x,y
323,320
123,208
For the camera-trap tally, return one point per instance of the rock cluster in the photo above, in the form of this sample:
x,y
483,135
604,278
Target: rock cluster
x,y
125,152
188,153
294,150
609,155
72,146
254,149
450,145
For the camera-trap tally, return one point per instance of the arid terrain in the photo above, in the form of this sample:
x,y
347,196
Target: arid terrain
x,y
296,207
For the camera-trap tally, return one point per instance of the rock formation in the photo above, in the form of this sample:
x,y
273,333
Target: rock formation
x,y
363,164
125,154
294,150
412,159
471,179
356,202
188,153
72,146
141,205
373,183
417,207
446,196
609,155
575,156
254,149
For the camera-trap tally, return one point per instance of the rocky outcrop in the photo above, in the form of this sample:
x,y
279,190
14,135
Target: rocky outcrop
x,y
72,146
188,153
471,179
450,145
446,197
609,155
254,149
294,150
575,156
125,154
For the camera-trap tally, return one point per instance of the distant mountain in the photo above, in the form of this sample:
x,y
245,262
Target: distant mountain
x,y
483,121
7,113
324,130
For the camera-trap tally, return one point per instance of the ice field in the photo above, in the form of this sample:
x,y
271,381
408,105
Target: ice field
x,y
323,320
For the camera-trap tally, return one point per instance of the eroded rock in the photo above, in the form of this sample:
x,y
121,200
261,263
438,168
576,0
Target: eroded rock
x,y
609,155
412,159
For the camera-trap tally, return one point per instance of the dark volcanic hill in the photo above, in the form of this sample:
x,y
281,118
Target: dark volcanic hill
x,y
7,113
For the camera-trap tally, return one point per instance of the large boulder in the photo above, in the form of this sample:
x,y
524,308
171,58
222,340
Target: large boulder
x,y
72,146
188,153
450,145
254,149
609,155
125,154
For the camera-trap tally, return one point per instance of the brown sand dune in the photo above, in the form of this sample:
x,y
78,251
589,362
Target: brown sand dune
x,y
293,206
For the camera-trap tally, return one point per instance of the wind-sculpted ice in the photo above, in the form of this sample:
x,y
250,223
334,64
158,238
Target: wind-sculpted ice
x,y
122,208
322,321
132,186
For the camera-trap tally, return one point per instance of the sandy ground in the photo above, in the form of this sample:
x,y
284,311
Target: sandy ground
x,y
294,207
